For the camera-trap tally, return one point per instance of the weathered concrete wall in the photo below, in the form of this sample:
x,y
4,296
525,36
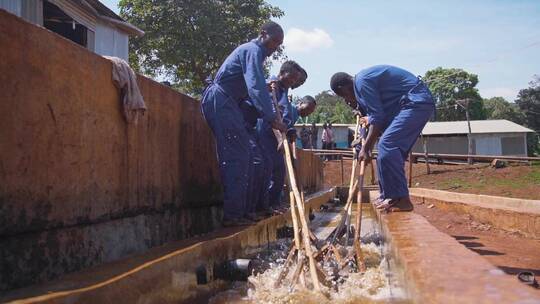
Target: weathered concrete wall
x,y
78,186
165,274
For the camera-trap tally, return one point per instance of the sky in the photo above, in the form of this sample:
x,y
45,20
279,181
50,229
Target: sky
x,y
495,39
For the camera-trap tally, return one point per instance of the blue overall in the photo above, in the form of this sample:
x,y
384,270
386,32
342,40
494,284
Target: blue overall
x,y
256,171
400,104
240,77
275,164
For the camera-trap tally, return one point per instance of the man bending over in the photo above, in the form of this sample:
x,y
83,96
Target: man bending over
x,y
398,106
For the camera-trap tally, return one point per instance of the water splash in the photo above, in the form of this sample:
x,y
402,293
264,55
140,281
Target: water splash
x,y
371,286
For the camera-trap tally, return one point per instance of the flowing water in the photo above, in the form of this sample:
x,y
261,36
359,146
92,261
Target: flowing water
x,y
378,284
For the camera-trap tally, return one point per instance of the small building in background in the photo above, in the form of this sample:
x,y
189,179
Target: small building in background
x,y
489,137
86,22
341,134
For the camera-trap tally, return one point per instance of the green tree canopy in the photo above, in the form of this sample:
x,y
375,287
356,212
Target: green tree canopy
x,y
187,40
449,85
331,108
499,108
529,102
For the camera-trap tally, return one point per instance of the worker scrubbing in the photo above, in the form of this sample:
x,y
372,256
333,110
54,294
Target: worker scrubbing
x,y
398,105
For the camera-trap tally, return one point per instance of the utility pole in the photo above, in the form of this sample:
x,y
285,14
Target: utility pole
x,y
465,104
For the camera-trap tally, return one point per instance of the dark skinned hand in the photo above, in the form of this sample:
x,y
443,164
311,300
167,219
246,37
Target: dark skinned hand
x,y
279,125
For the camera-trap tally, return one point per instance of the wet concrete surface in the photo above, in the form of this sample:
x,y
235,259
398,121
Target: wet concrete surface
x,y
440,270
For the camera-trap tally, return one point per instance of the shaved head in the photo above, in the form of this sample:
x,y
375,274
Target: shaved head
x,y
272,28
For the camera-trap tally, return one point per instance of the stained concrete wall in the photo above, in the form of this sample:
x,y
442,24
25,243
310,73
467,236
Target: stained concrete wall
x,y
79,186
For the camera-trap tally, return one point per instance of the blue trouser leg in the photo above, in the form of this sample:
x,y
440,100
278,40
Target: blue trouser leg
x,y
256,185
232,143
278,179
267,176
250,203
260,187
394,145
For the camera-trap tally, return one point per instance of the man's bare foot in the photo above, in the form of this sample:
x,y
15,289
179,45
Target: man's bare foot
x,y
402,204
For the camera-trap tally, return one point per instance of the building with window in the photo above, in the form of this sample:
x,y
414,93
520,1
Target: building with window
x,y
489,137
88,23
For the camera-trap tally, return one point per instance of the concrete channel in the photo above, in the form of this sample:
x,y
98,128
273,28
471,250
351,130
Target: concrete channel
x,y
417,264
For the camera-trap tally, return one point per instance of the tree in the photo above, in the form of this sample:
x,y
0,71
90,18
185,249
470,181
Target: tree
x,y
499,108
187,40
449,85
331,108
529,102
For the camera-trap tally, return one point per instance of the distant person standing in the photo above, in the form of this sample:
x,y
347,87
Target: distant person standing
x,y
324,137
305,137
331,136
350,137
325,140
314,134
331,139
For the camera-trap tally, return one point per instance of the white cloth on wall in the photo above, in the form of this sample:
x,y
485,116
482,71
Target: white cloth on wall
x,y
125,79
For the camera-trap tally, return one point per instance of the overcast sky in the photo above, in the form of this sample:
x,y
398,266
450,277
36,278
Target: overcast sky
x,y
498,40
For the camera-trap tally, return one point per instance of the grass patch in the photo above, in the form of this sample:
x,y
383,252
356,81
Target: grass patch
x,y
534,176
454,183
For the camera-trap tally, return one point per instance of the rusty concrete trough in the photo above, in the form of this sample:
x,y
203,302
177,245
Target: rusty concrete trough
x,y
433,267
509,214
437,269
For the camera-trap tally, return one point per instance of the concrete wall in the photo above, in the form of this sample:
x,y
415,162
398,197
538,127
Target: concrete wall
x,y
78,186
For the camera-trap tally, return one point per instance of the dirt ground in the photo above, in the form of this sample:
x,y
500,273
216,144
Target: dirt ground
x,y
512,253
516,180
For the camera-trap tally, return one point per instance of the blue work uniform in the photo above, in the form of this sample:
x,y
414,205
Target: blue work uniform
x,y
239,78
290,117
400,104
256,170
275,164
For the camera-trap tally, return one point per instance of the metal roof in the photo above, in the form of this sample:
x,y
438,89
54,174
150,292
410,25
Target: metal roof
x,y
105,14
460,127
477,127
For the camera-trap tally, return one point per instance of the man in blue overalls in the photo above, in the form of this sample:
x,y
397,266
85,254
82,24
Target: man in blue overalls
x,y
290,75
240,77
255,203
303,108
398,106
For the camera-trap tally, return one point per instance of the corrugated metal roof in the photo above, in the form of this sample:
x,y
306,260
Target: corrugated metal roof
x,y
477,127
460,127
103,10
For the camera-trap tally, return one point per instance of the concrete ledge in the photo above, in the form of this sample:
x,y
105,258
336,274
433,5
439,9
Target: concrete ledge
x,y
437,269
164,274
510,214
